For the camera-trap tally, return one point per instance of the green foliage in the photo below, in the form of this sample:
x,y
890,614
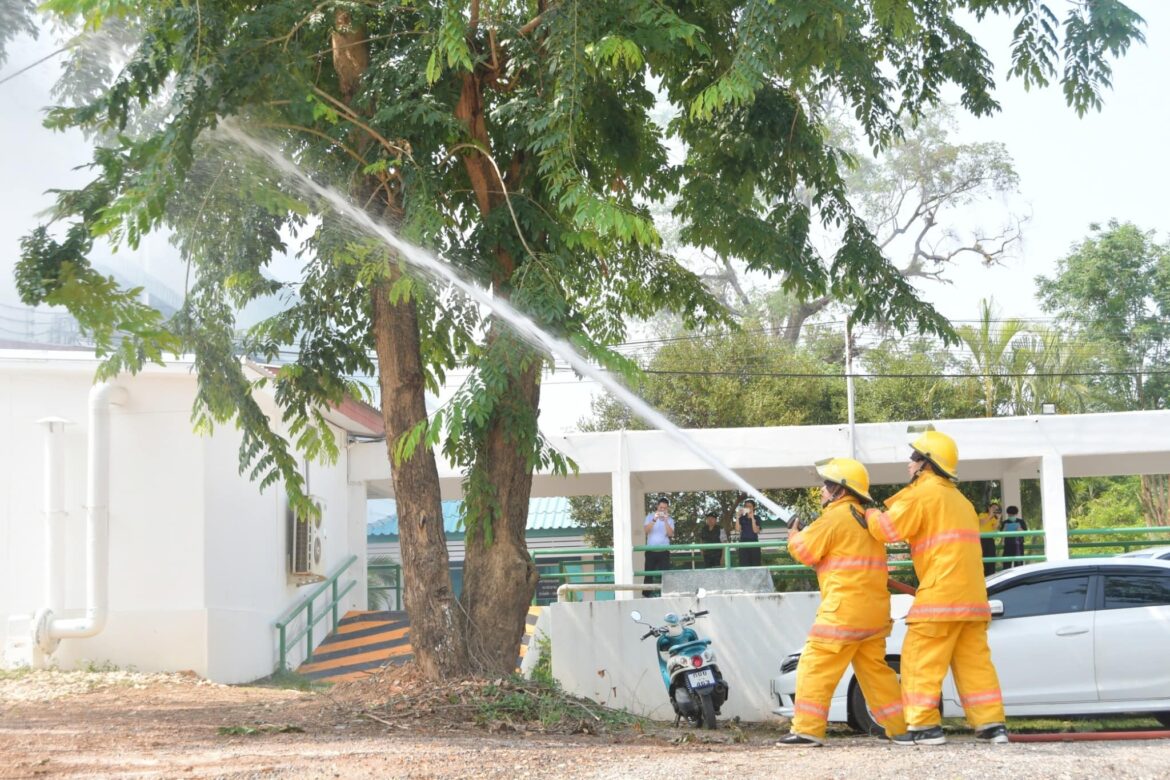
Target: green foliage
x,y
126,332
516,701
1106,503
913,386
290,681
16,18
562,105
1111,291
1093,33
542,670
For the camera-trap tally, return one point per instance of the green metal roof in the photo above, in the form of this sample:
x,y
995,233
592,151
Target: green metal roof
x,y
544,514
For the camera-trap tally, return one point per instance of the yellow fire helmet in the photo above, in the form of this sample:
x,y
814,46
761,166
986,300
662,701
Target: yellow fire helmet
x,y
847,473
940,450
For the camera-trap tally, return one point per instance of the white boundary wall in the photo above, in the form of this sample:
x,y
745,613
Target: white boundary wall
x,y
596,652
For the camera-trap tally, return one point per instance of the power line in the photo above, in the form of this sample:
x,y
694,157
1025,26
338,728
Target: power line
x,y
29,67
869,375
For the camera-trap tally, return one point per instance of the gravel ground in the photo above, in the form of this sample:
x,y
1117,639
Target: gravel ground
x,y
121,724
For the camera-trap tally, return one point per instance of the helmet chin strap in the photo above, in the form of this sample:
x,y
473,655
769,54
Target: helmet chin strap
x,y
834,493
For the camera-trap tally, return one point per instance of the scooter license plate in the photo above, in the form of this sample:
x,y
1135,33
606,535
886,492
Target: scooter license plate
x,y
701,678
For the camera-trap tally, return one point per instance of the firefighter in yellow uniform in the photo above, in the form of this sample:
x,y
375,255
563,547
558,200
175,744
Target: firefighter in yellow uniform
x,y
854,617
947,625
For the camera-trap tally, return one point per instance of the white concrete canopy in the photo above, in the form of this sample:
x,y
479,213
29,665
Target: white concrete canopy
x,y
628,465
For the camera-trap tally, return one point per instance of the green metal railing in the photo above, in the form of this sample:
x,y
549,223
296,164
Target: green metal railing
x,y
395,571
1110,546
1033,547
572,564
312,616
777,560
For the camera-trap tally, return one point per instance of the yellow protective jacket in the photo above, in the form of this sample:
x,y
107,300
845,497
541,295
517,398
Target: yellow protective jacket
x,y
943,531
987,523
851,570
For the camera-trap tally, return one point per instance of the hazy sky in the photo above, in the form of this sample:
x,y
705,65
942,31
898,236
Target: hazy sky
x,y
1113,164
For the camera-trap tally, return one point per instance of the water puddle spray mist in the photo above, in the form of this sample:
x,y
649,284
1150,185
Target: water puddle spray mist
x,y
428,263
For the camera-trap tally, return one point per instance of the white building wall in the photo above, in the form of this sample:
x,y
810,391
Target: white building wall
x,y
247,583
157,620
198,570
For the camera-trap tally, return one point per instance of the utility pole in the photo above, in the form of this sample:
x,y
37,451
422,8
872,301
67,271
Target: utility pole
x,y
849,387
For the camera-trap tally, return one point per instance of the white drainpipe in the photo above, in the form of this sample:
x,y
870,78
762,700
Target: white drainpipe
x,y
54,511
50,630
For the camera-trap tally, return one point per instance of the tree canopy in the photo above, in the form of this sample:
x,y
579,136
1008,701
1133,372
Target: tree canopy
x,y
517,139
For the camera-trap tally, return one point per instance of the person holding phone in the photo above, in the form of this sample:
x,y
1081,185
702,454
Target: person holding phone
x,y
659,527
749,531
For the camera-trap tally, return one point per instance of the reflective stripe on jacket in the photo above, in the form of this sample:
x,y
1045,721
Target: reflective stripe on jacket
x,y
852,572
943,531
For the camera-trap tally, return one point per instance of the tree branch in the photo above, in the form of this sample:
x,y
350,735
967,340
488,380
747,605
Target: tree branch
x,y
534,22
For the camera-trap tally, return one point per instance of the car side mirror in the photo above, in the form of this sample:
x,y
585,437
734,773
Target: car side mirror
x,y
636,616
996,607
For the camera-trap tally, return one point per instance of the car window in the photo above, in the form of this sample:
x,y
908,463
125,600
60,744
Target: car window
x,y
1126,591
1045,597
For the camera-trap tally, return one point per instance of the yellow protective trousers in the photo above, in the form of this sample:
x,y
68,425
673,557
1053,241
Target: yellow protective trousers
x,y
929,650
820,669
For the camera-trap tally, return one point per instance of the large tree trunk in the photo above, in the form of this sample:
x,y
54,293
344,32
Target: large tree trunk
x,y
436,632
499,577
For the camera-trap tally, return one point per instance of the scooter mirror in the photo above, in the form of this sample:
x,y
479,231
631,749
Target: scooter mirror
x,y
702,593
636,616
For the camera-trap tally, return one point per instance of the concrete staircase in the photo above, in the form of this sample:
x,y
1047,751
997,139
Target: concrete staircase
x,y
364,642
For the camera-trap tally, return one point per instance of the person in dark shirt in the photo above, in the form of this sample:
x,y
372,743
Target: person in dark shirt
x,y
749,531
711,533
1013,545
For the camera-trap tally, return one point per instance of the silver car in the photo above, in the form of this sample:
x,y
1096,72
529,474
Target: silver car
x,y
1083,637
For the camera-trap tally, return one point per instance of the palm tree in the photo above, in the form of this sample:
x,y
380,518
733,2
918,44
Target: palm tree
x,y
991,346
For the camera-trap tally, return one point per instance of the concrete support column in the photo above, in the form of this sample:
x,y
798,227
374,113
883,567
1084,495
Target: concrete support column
x,y
1053,512
1010,491
356,531
627,501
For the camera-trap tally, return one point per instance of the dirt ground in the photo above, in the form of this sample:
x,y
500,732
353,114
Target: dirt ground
x,y
119,724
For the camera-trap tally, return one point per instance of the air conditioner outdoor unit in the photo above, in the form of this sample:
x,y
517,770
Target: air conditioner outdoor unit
x,y
307,554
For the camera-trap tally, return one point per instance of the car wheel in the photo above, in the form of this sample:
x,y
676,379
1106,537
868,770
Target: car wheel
x,y
1163,718
860,718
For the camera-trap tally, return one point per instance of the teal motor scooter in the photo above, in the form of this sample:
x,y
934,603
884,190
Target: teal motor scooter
x,y
693,681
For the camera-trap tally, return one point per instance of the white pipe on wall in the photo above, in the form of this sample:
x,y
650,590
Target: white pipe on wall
x,y
54,511
49,629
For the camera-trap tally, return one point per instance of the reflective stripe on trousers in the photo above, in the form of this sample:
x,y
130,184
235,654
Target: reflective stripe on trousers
x,y
932,648
820,669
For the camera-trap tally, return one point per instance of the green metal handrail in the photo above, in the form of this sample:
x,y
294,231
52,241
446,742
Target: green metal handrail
x,y
549,552
1031,538
1150,529
306,605
396,568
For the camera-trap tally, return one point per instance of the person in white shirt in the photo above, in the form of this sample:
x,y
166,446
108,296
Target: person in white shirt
x,y
659,527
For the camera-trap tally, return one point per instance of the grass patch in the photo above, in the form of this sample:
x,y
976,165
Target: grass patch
x,y
542,670
15,673
514,701
291,681
1057,725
